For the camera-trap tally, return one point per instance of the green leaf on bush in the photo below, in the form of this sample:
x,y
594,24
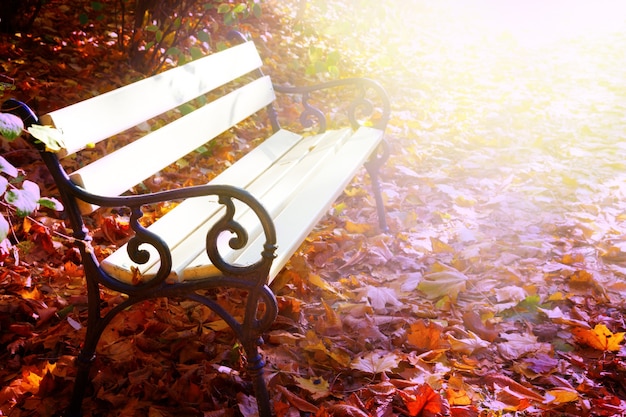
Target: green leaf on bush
x,y
173,51
256,10
11,126
51,203
195,52
204,36
223,8
25,200
49,136
7,168
4,228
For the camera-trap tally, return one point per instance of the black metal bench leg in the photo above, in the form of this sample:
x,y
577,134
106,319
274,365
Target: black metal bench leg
x,y
373,167
255,368
83,363
87,355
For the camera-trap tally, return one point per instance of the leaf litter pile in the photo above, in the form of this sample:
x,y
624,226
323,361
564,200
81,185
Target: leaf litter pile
x,y
498,291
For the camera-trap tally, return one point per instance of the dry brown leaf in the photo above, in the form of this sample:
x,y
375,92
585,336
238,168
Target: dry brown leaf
x,y
300,403
485,330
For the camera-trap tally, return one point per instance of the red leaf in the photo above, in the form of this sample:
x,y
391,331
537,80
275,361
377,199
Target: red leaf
x,y
422,401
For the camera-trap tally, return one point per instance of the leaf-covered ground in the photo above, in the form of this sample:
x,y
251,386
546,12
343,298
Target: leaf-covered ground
x,y
498,291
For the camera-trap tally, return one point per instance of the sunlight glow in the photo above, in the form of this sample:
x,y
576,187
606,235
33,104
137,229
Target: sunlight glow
x,y
535,23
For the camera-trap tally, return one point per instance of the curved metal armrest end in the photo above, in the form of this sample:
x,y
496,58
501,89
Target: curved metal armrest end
x,y
360,101
21,110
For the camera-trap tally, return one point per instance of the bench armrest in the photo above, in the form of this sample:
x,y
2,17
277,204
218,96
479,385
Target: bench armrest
x,y
226,196
365,98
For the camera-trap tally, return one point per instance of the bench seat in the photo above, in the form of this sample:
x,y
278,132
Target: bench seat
x,y
296,178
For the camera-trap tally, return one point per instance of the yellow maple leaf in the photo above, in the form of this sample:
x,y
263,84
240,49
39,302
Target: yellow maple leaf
x,y
317,386
600,337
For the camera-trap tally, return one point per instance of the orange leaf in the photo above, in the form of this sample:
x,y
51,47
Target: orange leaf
x,y
600,338
562,395
459,397
426,335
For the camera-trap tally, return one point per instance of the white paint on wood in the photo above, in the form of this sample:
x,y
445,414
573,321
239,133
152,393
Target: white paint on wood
x,y
103,116
142,158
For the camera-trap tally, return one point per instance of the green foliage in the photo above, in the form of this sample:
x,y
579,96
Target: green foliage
x,y
234,13
323,62
11,126
169,32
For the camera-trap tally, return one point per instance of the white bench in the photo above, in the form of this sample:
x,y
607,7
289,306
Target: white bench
x,y
274,195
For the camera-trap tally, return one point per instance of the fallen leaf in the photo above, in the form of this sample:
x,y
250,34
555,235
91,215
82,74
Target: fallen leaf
x,y
426,335
473,322
467,345
319,282
561,396
443,283
422,401
518,345
317,386
358,228
376,362
380,297
512,386
600,338
296,401
345,410
247,405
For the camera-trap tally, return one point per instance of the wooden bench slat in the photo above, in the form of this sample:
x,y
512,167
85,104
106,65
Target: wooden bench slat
x,y
307,205
105,115
173,141
172,230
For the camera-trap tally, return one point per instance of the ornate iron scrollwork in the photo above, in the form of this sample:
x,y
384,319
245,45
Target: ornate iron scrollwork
x,y
227,223
359,104
142,256
311,113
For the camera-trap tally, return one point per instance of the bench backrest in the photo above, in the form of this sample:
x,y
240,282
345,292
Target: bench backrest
x,y
91,121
